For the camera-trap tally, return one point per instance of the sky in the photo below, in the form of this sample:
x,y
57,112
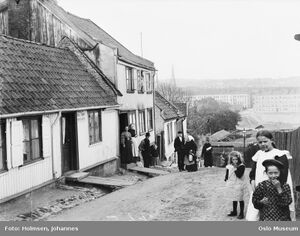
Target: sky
x,y
203,39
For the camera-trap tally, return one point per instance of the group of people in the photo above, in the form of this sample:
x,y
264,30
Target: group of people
x,y
271,197
131,152
186,148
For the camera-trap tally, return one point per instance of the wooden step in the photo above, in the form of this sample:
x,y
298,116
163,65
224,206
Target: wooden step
x,y
106,181
147,170
76,176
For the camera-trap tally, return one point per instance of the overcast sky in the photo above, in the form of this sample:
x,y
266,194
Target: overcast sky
x,y
203,39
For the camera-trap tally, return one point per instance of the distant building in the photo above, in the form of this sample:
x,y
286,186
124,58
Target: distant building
x,y
239,100
276,103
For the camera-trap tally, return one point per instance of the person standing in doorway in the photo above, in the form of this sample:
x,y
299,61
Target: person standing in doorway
x,y
145,150
207,153
126,148
179,149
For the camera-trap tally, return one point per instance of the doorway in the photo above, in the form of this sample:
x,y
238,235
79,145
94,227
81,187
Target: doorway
x,y
69,142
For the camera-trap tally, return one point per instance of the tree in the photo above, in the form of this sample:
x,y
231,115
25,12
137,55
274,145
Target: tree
x,y
209,116
173,93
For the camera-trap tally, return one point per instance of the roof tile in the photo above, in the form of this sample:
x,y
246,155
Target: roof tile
x,y
36,77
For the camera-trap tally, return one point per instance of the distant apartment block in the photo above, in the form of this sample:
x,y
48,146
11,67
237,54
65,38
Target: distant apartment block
x,y
276,103
238,100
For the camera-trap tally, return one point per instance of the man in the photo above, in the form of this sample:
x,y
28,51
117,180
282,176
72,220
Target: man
x,y
145,150
179,148
207,154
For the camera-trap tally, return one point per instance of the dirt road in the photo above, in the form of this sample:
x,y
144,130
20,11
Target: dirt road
x,y
196,196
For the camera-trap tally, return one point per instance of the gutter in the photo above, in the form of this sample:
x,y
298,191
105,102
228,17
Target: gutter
x,y
53,111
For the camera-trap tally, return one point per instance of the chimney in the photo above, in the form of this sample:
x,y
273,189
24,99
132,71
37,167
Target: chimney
x,y
19,19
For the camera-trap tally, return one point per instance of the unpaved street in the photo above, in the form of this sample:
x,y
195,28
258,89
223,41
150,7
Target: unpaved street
x,y
196,196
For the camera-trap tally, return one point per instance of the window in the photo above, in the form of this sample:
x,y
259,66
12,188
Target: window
x,y
131,118
150,118
32,138
95,129
2,146
142,124
140,77
148,83
170,132
129,79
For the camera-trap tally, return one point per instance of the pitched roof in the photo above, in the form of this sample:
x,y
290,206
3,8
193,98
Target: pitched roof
x,y
169,110
35,77
95,33
182,106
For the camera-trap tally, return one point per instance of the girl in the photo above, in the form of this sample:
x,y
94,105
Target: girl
x,y
271,197
236,182
258,174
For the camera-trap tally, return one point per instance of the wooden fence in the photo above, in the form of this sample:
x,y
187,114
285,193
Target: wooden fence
x,y
291,141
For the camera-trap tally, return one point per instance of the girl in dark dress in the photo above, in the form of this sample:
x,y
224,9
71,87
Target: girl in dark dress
x,y
271,197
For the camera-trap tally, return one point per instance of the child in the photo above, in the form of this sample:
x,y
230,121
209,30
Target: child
x,y
236,182
154,154
271,197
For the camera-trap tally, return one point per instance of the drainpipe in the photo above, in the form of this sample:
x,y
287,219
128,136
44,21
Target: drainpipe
x,y
154,123
52,149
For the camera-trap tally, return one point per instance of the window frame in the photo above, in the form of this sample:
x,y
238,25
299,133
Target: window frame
x,y
129,114
129,79
140,81
148,80
95,139
3,145
142,125
30,159
170,132
150,121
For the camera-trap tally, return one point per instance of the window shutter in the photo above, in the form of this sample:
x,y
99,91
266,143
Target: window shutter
x,y
46,137
17,143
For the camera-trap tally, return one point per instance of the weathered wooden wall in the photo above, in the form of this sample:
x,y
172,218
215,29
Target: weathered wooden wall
x,y
291,141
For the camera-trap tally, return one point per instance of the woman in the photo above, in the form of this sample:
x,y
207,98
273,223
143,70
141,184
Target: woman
x,y
190,159
126,148
257,174
135,152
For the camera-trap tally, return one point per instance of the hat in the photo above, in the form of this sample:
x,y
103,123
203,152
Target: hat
x,y
272,162
147,134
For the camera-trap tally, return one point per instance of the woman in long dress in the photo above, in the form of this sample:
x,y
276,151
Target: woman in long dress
x,y
257,174
190,159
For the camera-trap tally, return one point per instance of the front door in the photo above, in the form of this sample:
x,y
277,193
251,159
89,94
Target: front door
x,y
69,144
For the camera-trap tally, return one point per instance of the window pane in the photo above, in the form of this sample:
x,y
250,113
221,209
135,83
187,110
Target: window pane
x,y
96,127
26,151
34,129
35,149
1,159
26,129
91,126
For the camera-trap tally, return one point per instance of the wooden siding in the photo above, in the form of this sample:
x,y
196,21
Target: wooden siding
x,y
23,178
4,21
47,28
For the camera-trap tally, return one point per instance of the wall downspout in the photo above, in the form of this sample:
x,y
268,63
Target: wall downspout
x,y
154,123
52,148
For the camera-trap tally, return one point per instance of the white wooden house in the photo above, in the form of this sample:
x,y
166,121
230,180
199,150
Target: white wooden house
x,y
131,75
57,113
169,119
